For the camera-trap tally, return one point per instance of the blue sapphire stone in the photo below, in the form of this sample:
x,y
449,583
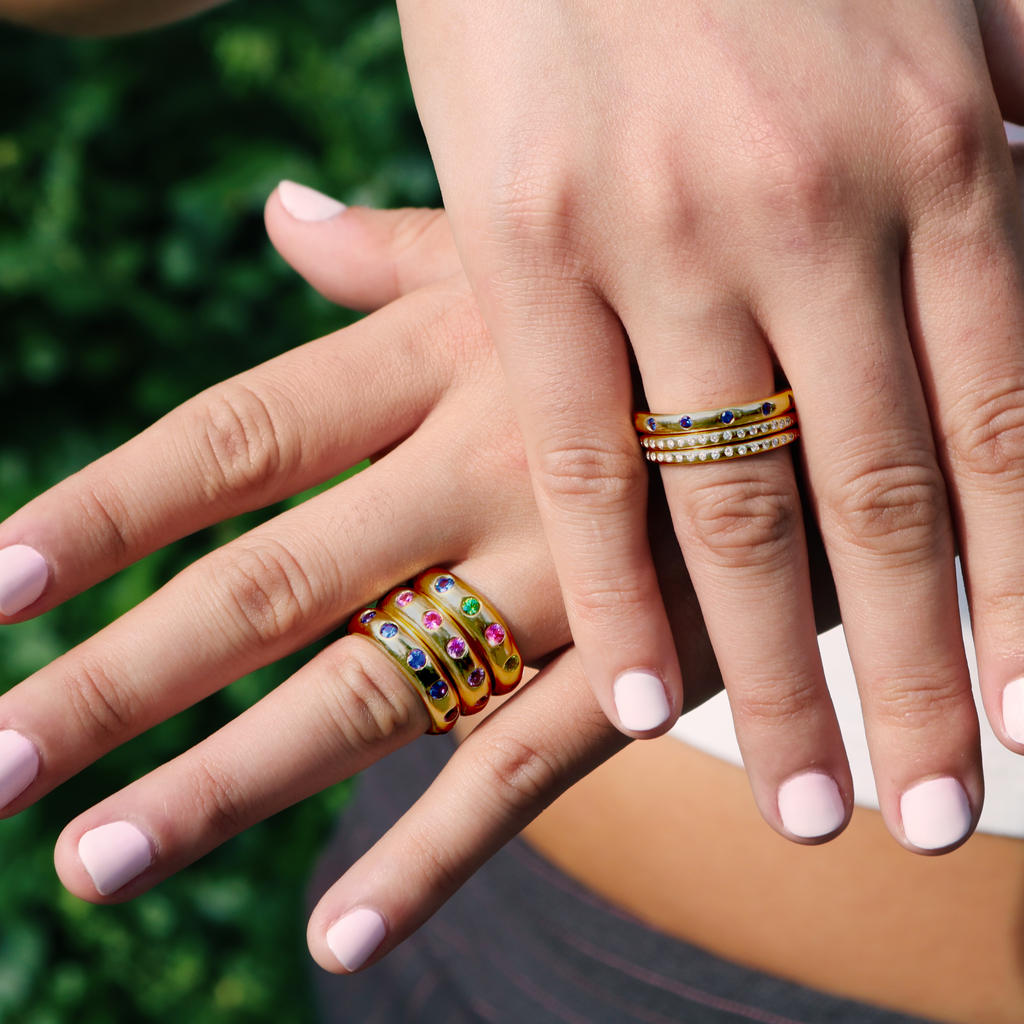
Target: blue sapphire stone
x,y
727,417
416,659
766,409
652,424
686,422
438,690
388,630
443,584
367,616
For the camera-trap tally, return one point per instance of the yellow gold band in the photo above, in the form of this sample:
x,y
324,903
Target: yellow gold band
x,y
717,453
733,416
696,439
416,662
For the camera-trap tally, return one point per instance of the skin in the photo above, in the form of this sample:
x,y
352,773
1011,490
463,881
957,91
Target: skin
x,y
818,187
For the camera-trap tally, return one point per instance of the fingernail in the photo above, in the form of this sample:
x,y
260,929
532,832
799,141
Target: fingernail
x,y
935,813
1013,710
355,937
114,854
306,204
19,764
810,805
640,700
23,576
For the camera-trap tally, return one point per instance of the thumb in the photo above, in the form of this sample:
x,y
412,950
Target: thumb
x,y
357,257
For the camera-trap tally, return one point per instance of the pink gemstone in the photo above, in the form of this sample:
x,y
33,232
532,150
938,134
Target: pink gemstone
x,y
456,647
494,634
431,619
404,598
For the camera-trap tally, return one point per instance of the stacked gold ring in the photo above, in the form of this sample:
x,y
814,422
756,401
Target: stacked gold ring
x,y
718,434
451,645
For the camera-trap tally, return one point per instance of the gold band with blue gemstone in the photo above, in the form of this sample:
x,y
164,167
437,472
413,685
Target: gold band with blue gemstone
x,y
450,644
653,423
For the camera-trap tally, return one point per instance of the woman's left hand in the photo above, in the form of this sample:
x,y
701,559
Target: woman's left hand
x,y
417,385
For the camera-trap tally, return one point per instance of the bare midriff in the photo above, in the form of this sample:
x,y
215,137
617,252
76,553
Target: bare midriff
x,y
672,836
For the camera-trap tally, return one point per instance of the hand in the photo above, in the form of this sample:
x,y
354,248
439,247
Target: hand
x,y
823,186
419,381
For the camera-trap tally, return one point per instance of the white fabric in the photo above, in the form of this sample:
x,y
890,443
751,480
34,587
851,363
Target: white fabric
x,y
709,728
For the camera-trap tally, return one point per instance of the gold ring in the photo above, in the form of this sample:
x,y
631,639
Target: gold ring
x,y
717,453
734,416
450,644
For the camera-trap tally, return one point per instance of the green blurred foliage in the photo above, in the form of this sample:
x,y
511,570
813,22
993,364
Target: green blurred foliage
x,y
134,271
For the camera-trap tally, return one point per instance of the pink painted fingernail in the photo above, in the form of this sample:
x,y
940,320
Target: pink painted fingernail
x,y
935,813
114,854
23,576
355,937
810,805
1013,710
640,700
19,764
306,204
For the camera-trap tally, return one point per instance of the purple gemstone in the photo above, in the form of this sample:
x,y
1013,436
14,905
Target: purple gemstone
x,y
494,634
727,417
404,598
438,690
652,424
416,659
456,647
686,423
443,584
766,409
431,619
477,676
367,616
388,630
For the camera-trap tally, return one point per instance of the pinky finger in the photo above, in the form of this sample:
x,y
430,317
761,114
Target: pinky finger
x,y
509,769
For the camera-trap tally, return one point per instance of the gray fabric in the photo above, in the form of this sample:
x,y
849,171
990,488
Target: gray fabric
x,y
521,943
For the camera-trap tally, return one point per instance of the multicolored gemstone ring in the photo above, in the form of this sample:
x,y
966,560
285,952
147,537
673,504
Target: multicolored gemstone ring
x,y
450,644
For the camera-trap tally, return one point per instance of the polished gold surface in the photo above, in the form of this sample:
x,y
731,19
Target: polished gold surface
x,y
705,439
403,643
480,622
434,626
712,419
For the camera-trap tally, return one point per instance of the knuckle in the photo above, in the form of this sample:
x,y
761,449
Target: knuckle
x,y
110,520
797,178
948,145
267,589
104,709
778,702
364,710
913,704
241,441
746,522
219,799
894,510
990,439
517,773
610,476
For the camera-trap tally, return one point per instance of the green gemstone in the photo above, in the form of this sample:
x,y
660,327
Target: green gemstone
x,y
470,606
512,664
